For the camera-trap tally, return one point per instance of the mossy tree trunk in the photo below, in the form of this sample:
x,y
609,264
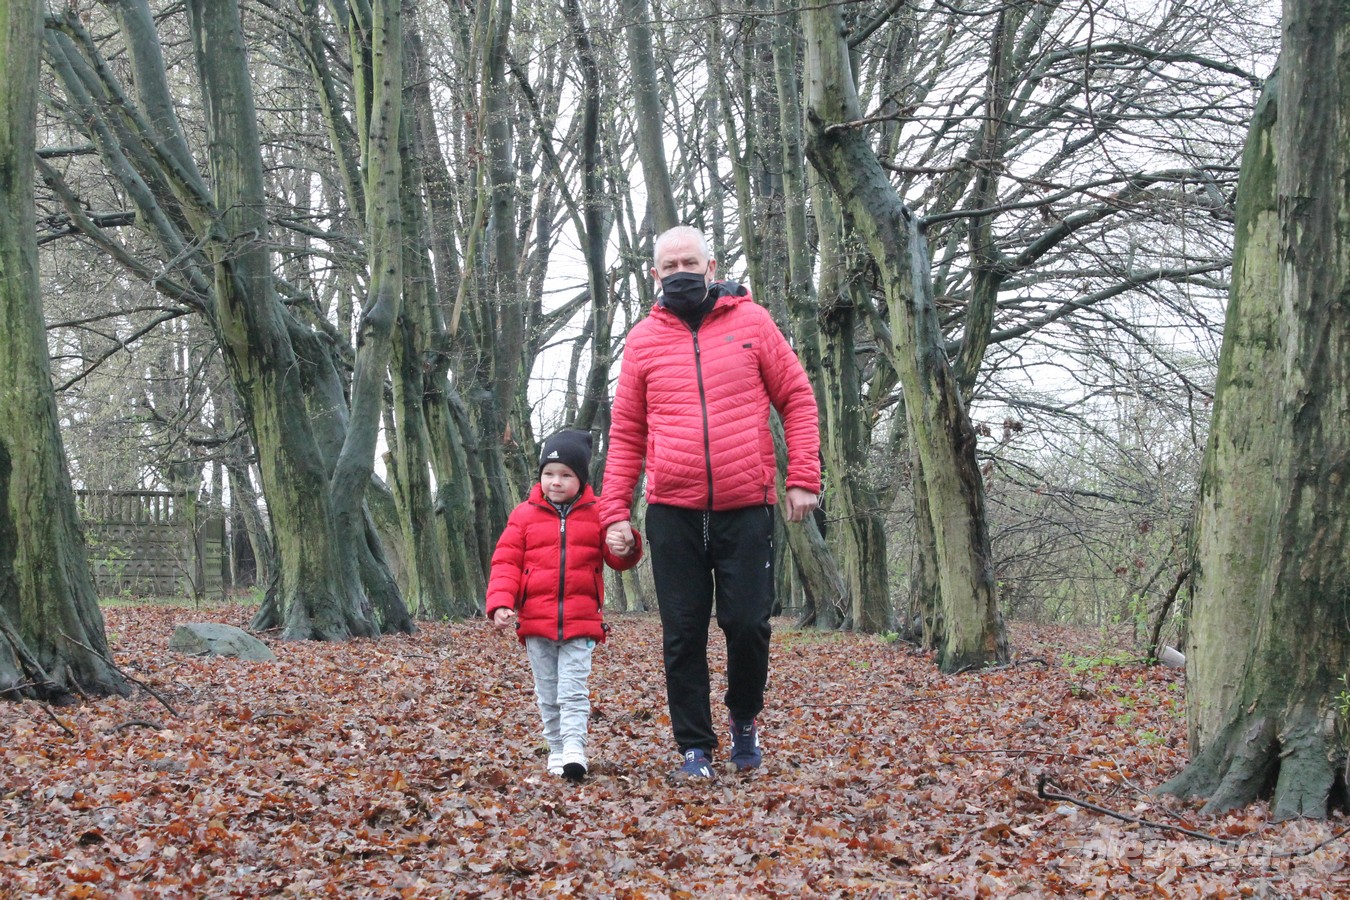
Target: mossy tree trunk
x,y
442,525
217,235
508,450
319,591
1283,733
376,37
594,404
1235,513
829,594
427,545
927,616
649,120
851,507
937,419
52,640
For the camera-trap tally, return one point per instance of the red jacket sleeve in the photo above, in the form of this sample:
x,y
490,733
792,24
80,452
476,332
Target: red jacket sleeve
x,y
627,442
508,567
791,394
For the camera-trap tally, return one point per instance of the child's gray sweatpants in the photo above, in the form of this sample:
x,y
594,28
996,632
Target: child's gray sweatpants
x,y
562,671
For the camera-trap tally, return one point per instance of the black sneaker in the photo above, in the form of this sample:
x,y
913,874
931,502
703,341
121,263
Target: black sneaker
x,y
745,752
696,767
574,764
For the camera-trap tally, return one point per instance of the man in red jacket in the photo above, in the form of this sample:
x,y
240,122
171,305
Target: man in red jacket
x,y
698,377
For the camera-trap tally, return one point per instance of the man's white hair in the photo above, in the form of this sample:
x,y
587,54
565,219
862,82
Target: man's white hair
x,y
685,231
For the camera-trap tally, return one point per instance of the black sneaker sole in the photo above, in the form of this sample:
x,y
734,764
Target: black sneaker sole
x,y
574,771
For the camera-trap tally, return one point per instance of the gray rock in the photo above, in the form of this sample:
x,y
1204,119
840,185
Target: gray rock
x,y
215,639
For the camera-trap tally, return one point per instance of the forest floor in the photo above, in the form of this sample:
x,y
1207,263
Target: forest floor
x,y
411,767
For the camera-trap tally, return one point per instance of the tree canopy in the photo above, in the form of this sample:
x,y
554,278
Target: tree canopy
x,y
1071,170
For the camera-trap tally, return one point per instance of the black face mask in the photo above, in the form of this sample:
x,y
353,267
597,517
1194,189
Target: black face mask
x,y
684,293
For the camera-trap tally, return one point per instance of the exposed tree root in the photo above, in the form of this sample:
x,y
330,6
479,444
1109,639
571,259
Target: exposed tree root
x,y
1254,758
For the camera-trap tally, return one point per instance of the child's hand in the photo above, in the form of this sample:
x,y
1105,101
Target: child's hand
x,y
503,617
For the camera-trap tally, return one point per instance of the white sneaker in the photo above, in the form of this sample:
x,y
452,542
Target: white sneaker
x,y
574,764
555,762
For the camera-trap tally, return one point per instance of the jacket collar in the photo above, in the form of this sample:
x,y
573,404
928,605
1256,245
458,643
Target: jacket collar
x,y
537,498
729,294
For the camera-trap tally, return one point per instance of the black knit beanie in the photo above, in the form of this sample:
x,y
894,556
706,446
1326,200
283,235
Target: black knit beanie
x,y
572,449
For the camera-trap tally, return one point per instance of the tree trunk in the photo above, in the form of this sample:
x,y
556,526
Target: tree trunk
x,y
594,397
936,416
649,119
927,616
829,594
318,594
458,470
377,43
821,579
461,522
505,418
244,503
987,267
1285,727
846,435
1235,512
428,547
52,641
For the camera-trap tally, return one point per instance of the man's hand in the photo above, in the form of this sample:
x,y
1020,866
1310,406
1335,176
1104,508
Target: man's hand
x,y
619,538
503,617
800,504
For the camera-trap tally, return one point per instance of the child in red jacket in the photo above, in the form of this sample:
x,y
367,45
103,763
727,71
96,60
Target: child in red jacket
x,y
548,581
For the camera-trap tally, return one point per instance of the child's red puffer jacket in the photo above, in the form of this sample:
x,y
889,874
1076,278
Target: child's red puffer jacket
x,y
550,568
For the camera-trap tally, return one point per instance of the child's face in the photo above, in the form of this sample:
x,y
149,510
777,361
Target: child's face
x,y
559,482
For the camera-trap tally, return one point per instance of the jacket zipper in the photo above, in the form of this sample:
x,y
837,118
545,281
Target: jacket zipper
x,y
562,567
703,406
562,554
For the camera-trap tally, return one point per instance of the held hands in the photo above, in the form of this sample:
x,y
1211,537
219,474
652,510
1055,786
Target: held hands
x,y
503,617
619,539
800,504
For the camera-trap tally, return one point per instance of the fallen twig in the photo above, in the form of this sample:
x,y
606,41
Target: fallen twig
x,y
1284,854
27,661
1030,660
1018,751
74,682
1291,854
864,703
64,727
136,681
1049,795
136,723
976,667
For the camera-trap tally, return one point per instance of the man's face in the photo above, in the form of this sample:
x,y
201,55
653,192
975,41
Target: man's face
x,y
682,254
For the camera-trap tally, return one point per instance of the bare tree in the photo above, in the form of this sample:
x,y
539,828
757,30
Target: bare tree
x,y
215,240
52,641
936,417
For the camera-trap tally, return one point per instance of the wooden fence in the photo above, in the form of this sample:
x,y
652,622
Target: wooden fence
x,y
152,544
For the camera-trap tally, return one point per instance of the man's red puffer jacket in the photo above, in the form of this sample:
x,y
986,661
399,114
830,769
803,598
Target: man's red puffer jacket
x,y
694,406
551,575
